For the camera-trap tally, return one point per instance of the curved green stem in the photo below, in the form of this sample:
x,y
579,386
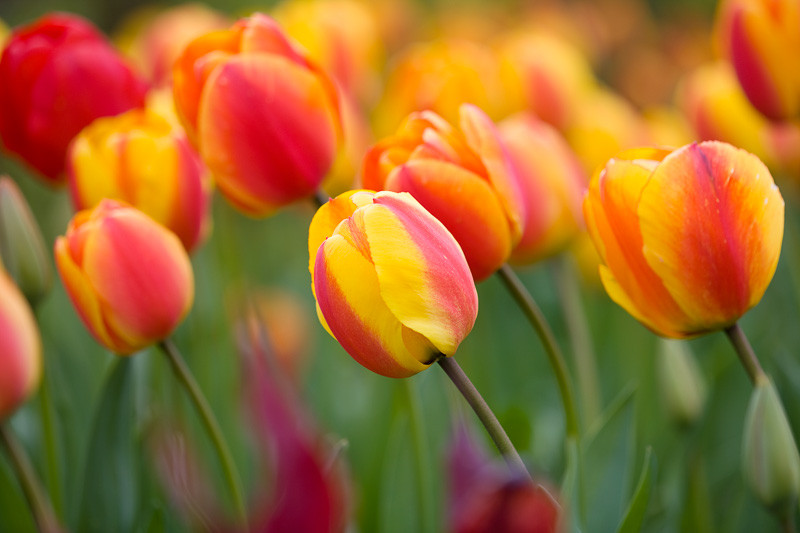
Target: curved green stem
x,y
585,362
40,507
746,354
554,355
186,378
484,412
50,440
421,450
320,198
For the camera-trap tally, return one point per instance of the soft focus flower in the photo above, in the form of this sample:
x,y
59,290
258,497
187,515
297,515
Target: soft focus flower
x,y
464,177
439,76
21,244
153,39
681,382
761,39
689,239
20,348
392,285
140,158
544,74
264,118
553,184
128,277
58,74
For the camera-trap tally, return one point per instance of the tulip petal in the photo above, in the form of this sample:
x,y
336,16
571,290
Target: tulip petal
x,y
712,224
328,217
267,131
346,288
483,234
422,276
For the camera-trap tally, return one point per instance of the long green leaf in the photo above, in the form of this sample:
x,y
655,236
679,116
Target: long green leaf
x,y
634,516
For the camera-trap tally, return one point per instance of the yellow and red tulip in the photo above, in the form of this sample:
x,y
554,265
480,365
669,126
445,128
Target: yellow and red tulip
x,y
57,75
553,184
761,39
128,277
464,177
391,283
689,238
263,116
20,348
140,158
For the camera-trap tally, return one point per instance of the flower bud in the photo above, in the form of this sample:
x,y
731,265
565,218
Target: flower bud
x,y
683,389
128,277
689,238
20,348
140,158
391,283
769,453
21,243
58,74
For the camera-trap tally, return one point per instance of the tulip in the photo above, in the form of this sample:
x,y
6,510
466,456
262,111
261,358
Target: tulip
x,y
56,76
761,39
391,283
21,244
464,178
128,277
20,348
553,183
139,158
689,238
683,389
264,117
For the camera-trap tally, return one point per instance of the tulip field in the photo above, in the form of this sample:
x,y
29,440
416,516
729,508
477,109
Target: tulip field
x,y
398,266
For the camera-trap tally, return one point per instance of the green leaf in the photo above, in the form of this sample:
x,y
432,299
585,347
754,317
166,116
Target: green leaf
x,y
111,482
634,516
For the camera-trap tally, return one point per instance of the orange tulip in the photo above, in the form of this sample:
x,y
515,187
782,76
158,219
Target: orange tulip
x,y
689,238
464,177
20,348
264,117
128,276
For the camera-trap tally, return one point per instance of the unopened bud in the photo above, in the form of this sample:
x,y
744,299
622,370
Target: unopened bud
x,y
683,388
771,462
21,244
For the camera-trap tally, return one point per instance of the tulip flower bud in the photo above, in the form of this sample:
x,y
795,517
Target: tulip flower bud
x,y
21,243
264,117
140,158
553,184
683,389
770,459
20,348
689,238
128,277
391,283
56,76
761,39
464,177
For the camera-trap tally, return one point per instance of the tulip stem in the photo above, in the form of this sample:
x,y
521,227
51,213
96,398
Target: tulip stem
x,y
49,434
424,470
186,378
746,354
320,198
40,508
485,414
545,333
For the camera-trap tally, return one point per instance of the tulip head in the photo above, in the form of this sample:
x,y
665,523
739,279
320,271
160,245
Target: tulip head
x,y
464,177
689,238
140,158
391,283
263,116
553,183
57,75
21,244
20,348
128,277
761,39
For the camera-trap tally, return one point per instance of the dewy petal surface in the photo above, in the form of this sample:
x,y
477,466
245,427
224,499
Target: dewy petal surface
x,y
712,225
346,288
267,131
421,270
